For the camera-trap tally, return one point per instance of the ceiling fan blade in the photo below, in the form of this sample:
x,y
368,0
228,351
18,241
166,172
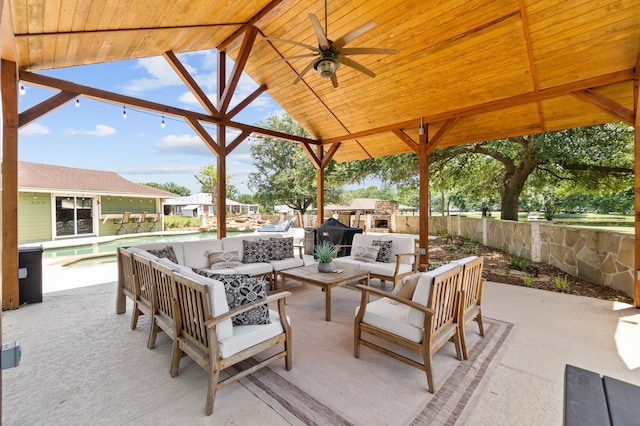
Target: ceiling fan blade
x,y
317,27
304,71
306,46
356,66
307,55
354,34
367,51
334,80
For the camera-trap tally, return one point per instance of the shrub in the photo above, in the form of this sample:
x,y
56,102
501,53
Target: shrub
x,y
561,284
528,280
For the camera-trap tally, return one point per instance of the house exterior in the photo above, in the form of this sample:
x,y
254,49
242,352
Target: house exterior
x,y
201,205
56,202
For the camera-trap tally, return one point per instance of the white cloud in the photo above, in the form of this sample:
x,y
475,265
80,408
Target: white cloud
x,y
183,144
160,170
70,131
101,130
34,129
161,75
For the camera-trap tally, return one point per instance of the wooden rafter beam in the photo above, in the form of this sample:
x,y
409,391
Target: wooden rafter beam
x,y
133,31
45,107
237,141
191,84
442,131
317,162
250,23
531,97
238,67
619,111
406,139
115,98
242,105
7,38
329,154
204,135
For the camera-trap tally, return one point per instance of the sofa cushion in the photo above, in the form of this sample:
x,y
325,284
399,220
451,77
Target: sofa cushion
x,y
166,252
401,245
223,259
241,289
253,269
384,255
256,251
407,287
177,249
392,318
245,336
280,265
282,248
366,253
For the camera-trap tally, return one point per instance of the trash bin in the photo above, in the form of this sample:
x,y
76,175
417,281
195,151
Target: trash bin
x,y
30,274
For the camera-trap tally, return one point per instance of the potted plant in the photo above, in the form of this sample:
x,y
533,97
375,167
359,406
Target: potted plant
x,y
325,251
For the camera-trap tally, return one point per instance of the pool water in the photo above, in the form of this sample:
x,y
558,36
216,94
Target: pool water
x,y
105,251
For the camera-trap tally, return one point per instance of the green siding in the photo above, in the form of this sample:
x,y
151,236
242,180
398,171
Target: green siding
x,y
119,205
34,217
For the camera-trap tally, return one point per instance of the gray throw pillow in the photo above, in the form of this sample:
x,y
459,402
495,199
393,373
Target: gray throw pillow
x,y
367,254
166,252
384,255
257,251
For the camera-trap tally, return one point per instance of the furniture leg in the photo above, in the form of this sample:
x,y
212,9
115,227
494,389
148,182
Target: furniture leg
x,y
327,309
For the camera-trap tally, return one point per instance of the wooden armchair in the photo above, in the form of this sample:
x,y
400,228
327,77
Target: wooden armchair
x,y
423,324
204,332
162,302
470,297
146,289
128,282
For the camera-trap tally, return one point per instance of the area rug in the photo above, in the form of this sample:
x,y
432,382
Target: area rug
x,y
329,386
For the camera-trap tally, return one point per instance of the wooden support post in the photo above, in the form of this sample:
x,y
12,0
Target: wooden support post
x,y
320,188
423,155
9,210
636,272
221,170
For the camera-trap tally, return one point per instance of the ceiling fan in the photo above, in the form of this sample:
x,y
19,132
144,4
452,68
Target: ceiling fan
x,y
329,54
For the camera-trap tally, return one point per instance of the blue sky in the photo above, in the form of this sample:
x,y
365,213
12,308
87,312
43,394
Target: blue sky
x,y
94,135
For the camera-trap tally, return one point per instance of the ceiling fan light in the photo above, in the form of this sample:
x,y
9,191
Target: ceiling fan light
x,y
326,67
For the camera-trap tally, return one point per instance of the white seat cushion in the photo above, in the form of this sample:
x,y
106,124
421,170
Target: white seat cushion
x,y
288,263
177,249
245,336
258,268
391,317
388,268
350,261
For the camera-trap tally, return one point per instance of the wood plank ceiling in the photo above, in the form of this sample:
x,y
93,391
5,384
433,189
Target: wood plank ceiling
x,y
486,68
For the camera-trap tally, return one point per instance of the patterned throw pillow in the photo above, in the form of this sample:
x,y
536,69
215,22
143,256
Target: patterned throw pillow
x,y
256,251
223,259
241,289
366,254
384,255
282,248
165,252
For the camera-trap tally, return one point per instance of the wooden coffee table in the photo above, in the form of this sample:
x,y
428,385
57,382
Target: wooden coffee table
x,y
325,280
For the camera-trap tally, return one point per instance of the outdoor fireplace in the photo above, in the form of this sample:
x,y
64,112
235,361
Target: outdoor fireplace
x,y
381,219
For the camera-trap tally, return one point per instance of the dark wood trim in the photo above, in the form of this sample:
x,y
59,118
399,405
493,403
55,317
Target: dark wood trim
x,y
440,134
423,203
238,67
204,135
320,189
191,84
245,103
636,271
531,97
617,110
315,159
251,22
329,154
45,107
237,141
406,139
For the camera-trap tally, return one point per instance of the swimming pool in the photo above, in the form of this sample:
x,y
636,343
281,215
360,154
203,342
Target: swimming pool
x,y
104,249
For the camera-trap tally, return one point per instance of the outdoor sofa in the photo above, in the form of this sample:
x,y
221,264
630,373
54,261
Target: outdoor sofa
x,y
387,257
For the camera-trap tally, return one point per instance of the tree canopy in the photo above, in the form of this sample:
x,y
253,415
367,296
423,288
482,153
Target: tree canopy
x,y
208,179
172,187
284,174
593,160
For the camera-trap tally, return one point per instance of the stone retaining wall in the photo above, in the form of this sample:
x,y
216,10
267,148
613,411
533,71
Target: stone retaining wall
x,y
598,256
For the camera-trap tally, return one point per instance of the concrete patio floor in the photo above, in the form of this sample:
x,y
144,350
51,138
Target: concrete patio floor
x,y
551,330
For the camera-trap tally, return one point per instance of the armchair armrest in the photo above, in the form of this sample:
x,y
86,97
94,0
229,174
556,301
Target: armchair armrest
x,y
414,266
366,289
240,309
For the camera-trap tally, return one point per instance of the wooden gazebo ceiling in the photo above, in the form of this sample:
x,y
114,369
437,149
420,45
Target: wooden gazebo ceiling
x,y
473,69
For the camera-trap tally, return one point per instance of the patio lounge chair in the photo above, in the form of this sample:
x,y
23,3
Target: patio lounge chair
x,y
470,297
204,331
284,227
423,324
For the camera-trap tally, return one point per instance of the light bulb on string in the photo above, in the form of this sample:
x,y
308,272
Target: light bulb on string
x,y
163,125
22,89
78,103
124,112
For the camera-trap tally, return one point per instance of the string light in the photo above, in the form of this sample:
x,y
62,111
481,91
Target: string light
x,y
124,112
77,103
22,89
162,124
